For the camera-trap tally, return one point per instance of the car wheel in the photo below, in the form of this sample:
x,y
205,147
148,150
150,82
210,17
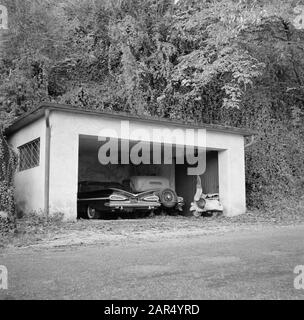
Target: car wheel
x,y
92,213
168,198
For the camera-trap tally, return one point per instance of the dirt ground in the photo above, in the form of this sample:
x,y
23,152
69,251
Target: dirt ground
x,y
39,233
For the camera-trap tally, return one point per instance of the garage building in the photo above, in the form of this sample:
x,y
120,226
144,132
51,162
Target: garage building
x,y
59,146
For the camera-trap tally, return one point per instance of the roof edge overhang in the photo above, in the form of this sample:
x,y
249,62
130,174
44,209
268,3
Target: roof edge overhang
x,y
39,112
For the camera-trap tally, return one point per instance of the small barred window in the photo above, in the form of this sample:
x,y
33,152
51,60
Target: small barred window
x,y
29,155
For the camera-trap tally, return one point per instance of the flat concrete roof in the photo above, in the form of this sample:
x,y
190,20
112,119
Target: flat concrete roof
x,y
39,112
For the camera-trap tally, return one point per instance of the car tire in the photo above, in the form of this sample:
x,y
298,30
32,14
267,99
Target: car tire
x,y
92,213
168,198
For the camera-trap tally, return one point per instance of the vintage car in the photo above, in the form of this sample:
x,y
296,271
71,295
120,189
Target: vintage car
x,y
95,198
160,186
145,194
205,203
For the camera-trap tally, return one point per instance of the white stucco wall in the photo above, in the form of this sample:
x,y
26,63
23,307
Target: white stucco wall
x,y
29,184
66,128
232,178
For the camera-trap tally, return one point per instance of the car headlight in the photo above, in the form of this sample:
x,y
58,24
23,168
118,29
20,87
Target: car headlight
x,y
151,198
117,197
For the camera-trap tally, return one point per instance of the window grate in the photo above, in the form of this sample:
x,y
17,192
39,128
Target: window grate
x,y
29,155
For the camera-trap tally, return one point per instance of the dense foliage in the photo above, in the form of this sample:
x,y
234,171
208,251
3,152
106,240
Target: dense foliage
x,y
8,162
233,62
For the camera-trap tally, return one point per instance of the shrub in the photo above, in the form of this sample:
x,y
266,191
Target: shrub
x,y
7,200
39,219
274,165
8,163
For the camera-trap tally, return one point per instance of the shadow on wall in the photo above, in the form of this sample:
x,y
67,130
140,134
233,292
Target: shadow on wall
x,y
90,169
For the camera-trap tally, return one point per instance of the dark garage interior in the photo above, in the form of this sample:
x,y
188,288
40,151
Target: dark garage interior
x,y
90,169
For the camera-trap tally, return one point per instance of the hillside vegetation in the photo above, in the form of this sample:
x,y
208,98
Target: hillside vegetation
x,y
228,62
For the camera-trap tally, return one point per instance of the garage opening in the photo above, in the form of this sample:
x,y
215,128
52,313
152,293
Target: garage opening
x,y
185,185
94,176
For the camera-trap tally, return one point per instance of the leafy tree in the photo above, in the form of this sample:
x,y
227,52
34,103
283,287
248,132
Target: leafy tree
x,y
234,62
